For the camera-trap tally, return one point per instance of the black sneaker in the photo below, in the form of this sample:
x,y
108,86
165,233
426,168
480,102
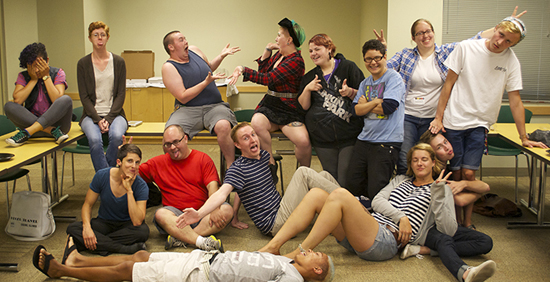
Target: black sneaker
x,y
59,135
273,168
18,139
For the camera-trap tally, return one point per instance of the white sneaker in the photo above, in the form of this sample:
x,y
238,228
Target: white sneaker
x,y
409,251
481,272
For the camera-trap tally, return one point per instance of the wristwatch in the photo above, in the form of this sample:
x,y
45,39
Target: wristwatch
x,y
45,77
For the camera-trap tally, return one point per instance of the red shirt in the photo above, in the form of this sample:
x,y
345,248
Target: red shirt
x,y
181,183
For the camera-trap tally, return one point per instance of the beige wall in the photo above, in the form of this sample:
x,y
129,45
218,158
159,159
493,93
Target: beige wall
x,y
60,29
141,25
21,29
401,15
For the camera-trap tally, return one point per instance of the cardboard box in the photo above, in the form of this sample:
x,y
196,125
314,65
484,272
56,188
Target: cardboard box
x,y
139,64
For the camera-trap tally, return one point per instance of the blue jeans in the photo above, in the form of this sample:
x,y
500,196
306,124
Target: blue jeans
x,y
93,133
468,146
465,242
413,128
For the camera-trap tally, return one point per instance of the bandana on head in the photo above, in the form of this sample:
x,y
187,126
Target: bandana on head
x,y
519,24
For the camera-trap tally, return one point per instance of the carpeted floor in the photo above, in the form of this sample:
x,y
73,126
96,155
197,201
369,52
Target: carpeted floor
x,y
520,254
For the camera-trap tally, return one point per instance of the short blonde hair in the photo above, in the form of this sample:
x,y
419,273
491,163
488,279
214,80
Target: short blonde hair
x,y
96,25
436,170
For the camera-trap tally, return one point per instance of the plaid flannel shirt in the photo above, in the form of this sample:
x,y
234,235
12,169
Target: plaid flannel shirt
x,y
284,78
404,61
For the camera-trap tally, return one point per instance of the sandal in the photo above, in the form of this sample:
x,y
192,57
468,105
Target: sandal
x,y
471,227
36,259
68,250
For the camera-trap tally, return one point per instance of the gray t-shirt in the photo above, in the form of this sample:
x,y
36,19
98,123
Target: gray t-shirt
x,y
256,266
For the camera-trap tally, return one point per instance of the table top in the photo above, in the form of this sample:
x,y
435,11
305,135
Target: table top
x,y
34,149
510,133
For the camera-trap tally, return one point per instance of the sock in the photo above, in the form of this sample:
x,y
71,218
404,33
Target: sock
x,y
200,241
414,250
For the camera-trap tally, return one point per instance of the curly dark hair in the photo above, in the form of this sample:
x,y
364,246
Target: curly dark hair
x,y
31,52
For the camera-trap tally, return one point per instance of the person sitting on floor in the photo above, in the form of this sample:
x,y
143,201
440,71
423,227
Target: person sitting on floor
x,y
120,225
194,266
250,177
186,178
40,106
406,210
465,192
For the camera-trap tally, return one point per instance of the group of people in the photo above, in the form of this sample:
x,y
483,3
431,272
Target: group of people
x,y
426,94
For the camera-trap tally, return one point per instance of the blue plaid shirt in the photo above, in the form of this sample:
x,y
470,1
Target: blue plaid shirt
x,y
404,62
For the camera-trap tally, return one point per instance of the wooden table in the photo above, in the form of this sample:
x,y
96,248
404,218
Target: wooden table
x,y
39,148
535,203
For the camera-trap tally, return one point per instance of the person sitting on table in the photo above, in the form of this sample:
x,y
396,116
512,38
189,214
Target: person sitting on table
x,y
250,177
279,108
120,224
40,106
327,92
405,210
186,178
195,266
189,77
465,192
102,89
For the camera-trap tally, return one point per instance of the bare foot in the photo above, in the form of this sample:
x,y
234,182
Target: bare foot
x,y
72,258
53,270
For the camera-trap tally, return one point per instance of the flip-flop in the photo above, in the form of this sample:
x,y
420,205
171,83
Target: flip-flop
x,y
68,250
36,259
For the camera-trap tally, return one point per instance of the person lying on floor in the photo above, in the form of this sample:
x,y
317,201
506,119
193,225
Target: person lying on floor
x,y
405,210
198,265
250,177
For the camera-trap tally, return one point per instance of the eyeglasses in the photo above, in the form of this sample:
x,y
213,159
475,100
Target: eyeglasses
x,y
420,33
376,59
96,35
168,145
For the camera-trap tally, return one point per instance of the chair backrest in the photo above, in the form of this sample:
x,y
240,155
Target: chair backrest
x,y
78,113
505,115
244,115
6,126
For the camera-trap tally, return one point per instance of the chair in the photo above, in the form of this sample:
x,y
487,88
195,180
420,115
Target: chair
x,y
499,147
6,126
246,115
81,147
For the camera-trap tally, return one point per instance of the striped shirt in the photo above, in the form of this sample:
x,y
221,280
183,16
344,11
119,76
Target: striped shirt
x,y
252,180
413,200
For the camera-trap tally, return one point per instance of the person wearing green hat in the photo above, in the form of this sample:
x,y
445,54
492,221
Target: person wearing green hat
x,y
279,109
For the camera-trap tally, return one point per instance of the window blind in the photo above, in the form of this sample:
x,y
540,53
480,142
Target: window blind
x,y
464,18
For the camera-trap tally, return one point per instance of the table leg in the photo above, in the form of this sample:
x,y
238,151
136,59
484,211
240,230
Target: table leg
x,y
56,198
540,209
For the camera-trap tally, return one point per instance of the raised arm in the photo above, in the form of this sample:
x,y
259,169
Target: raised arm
x,y
174,83
136,210
215,63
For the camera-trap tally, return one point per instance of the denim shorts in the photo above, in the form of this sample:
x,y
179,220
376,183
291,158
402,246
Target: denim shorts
x,y
383,248
468,146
